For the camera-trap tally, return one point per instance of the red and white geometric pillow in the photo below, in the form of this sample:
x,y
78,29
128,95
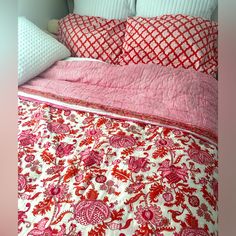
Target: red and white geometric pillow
x,y
92,37
172,40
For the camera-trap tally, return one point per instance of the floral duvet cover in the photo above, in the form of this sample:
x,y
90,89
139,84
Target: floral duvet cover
x,y
110,168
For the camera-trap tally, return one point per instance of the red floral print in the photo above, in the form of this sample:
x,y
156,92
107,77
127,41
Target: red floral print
x,y
58,128
122,141
27,138
86,174
64,149
194,232
91,157
91,212
200,156
172,173
138,164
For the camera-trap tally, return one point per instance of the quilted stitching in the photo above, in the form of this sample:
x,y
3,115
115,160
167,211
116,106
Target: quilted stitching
x,y
172,40
92,37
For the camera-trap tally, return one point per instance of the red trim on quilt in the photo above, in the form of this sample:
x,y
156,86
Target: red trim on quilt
x,y
164,121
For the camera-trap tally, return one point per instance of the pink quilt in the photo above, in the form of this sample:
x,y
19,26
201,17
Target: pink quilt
x,y
147,168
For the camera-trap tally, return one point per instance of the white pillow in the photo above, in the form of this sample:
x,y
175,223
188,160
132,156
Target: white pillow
x,y
37,50
109,9
198,8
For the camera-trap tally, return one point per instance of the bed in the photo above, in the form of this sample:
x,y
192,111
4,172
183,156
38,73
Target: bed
x,y
108,146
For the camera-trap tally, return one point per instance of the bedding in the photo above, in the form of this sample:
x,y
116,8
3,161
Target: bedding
x,y
37,50
197,8
172,40
109,9
110,150
92,37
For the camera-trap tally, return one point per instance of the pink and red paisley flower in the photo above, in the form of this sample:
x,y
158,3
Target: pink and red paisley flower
x,y
58,128
200,156
91,212
136,164
174,174
58,191
64,149
168,197
151,214
40,229
22,182
193,232
165,143
91,157
122,141
94,133
27,138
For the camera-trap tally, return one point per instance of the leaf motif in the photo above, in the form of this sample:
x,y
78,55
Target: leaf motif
x,y
47,157
210,199
86,141
101,121
92,194
192,221
30,188
155,190
128,151
179,199
43,207
133,199
117,215
70,173
178,159
160,152
60,217
99,230
122,175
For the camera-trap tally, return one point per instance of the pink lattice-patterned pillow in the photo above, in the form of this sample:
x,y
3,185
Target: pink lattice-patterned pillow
x,y
172,40
92,37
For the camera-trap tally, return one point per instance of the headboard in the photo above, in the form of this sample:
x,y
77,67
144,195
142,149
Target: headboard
x,y
70,4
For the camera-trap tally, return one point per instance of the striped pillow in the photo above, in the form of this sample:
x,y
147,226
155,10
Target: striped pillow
x,y
198,8
109,9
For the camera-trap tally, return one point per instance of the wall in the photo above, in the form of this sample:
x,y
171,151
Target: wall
x,y
41,11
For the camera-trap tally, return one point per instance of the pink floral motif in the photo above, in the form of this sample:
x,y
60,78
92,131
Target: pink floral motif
x,y
58,128
136,164
27,138
166,143
109,187
40,229
174,174
194,232
59,191
122,141
119,179
64,149
21,182
194,201
95,133
91,157
168,197
150,214
101,179
200,156
91,212
29,158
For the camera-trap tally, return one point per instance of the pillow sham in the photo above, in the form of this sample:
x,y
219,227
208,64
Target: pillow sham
x,y
172,40
109,9
36,50
92,37
153,8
